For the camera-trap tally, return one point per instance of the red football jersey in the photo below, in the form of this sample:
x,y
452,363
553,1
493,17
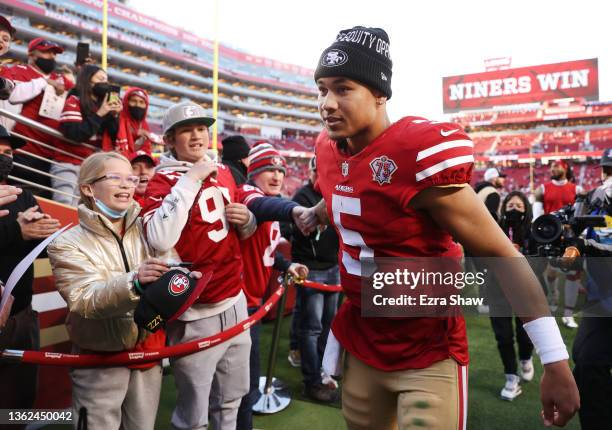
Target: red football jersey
x,y
207,240
257,250
72,113
367,197
26,73
558,196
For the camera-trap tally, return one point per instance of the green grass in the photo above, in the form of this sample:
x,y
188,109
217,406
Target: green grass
x,y
485,410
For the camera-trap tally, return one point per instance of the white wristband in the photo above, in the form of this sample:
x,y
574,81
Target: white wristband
x,y
547,340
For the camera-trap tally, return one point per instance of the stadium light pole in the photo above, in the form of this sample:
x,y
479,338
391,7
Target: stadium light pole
x,y
215,76
104,33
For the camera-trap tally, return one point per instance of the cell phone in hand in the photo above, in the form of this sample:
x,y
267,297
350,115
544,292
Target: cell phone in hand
x,y
185,264
113,93
82,53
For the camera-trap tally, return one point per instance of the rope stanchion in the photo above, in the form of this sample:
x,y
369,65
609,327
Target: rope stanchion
x,y
126,358
273,397
319,286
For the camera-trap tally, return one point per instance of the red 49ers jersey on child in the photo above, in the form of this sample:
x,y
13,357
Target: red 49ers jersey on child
x,y
557,196
257,250
207,239
367,197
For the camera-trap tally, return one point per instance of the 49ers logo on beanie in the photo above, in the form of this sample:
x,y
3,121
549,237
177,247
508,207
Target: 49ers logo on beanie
x,y
359,53
178,285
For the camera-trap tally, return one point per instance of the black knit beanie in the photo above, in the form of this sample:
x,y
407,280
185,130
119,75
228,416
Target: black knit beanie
x,y
235,148
362,54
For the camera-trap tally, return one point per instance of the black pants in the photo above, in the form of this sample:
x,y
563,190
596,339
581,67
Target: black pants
x,y
504,335
595,386
18,382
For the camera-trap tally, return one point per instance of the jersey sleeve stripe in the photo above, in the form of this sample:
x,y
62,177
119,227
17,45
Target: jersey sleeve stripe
x,y
442,147
251,197
451,162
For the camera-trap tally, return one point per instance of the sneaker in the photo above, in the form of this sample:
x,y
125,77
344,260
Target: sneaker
x,y
294,357
328,381
512,389
569,322
321,393
527,371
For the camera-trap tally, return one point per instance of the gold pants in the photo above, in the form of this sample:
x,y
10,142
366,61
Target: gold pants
x,y
431,398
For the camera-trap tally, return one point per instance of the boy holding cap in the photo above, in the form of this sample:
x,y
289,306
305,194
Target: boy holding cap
x,y
189,205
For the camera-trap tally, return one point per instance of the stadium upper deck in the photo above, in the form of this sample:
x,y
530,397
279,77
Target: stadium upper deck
x,y
255,93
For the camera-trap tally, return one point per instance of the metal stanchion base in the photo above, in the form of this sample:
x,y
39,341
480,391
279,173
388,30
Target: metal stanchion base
x,y
277,399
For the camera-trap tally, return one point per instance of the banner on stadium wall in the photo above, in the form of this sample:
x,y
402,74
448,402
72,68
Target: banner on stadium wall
x,y
521,85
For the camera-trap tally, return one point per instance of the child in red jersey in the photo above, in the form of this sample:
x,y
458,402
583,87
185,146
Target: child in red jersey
x,y
401,190
190,206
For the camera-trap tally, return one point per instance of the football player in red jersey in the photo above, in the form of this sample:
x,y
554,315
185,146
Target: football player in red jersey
x,y
551,196
266,173
190,205
401,190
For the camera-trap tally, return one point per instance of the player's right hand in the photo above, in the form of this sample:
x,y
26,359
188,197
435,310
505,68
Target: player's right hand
x,y
202,170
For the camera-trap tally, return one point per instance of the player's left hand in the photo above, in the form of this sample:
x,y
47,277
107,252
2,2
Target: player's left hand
x,y
238,214
559,394
298,271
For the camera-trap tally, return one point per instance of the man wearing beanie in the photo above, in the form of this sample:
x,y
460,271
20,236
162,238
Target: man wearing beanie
x,y
267,169
235,156
401,190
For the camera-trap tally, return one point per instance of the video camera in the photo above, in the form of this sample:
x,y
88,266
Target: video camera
x,y
555,231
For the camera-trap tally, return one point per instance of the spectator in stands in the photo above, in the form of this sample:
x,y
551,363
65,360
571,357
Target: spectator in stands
x,y
143,166
98,266
489,190
36,77
134,135
318,252
236,157
7,32
20,232
91,117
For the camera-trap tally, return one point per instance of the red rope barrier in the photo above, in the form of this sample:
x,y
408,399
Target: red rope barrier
x,y
127,358
321,287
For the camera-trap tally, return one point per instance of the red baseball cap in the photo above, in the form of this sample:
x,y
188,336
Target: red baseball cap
x,y
40,44
6,24
143,156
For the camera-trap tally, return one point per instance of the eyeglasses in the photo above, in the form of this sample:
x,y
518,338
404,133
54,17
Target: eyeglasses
x,y
116,179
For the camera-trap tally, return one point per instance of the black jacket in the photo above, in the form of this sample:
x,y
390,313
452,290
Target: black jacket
x,y
316,254
13,249
238,169
490,197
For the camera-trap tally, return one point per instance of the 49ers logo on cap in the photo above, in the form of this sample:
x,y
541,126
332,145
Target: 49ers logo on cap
x,y
189,111
334,57
178,284
382,169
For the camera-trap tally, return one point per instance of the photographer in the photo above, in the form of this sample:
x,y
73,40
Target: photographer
x,y
592,350
89,116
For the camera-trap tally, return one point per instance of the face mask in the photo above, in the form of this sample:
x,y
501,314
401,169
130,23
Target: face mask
x,y
137,113
47,65
6,165
515,216
110,213
100,89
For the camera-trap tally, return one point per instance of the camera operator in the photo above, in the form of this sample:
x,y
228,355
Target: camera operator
x,y
592,350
